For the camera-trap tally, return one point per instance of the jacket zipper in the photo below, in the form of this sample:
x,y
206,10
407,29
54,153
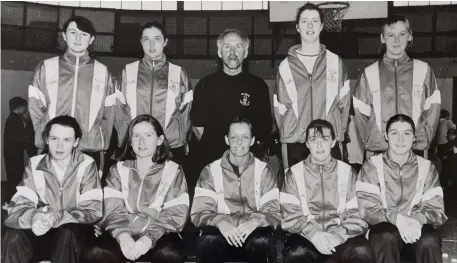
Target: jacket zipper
x,y
396,87
75,86
401,191
141,187
241,199
152,88
311,92
323,197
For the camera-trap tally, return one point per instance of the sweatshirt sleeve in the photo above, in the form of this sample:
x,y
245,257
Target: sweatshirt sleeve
x,y
115,215
38,102
269,214
204,206
429,119
345,98
90,203
363,110
430,210
279,106
293,219
369,196
352,224
174,211
186,104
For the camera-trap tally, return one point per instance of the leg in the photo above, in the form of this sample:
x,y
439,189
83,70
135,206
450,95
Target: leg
x,y
386,243
260,246
298,249
68,243
211,246
354,250
168,249
428,248
17,246
104,250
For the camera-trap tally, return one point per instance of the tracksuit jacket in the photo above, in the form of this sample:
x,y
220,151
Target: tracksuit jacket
x,y
221,194
301,97
393,86
150,206
163,90
321,198
77,199
385,189
80,87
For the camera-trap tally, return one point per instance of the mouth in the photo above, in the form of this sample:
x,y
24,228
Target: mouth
x,y
310,32
59,152
152,50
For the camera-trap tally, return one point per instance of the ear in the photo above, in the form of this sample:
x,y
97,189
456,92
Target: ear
x,y
296,27
333,143
307,145
165,42
246,50
219,52
160,140
410,38
382,38
76,143
64,36
385,136
252,140
322,27
226,140
92,38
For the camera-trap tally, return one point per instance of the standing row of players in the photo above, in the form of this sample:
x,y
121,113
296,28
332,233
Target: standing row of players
x,y
326,210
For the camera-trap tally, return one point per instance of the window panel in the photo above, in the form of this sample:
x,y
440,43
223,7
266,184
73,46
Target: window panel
x,y
192,5
48,2
211,5
169,5
111,4
232,5
151,5
69,3
265,5
419,3
400,3
132,5
95,4
252,5
440,2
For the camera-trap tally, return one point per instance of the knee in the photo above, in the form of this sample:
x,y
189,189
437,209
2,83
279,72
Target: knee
x,y
384,233
297,253
429,237
170,255
209,241
360,252
97,254
13,237
67,230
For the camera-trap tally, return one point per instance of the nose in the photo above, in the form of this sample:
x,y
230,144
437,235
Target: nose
x,y
151,43
78,37
397,39
238,141
141,140
400,138
59,144
319,143
310,25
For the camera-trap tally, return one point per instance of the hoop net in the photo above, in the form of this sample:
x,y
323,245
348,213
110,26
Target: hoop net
x,y
333,15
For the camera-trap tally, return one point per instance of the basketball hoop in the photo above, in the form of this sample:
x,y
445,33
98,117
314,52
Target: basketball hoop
x,y
333,15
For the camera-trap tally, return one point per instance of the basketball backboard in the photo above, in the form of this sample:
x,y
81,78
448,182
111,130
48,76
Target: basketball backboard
x,y
285,11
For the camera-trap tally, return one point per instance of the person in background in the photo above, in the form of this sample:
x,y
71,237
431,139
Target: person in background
x,y
57,201
311,83
77,85
400,197
146,203
18,139
396,84
228,93
445,124
319,206
449,151
236,203
157,87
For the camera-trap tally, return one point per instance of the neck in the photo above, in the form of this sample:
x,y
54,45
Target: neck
x,y
393,56
144,162
400,159
310,48
63,162
232,72
77,54
153,58
240,162
323,162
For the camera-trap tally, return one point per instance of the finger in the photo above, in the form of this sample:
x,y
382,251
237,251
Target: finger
x,y
233,242
237,239
228,240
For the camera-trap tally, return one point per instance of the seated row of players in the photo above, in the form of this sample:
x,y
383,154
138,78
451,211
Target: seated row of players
x,y
324,207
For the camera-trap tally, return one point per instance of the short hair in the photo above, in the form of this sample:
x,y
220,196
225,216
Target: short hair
x,y
318,126
451,132
240,120
157,25
82,23
444,114
17,102
400,118
309,6
63,120
162,153
231,31
393,19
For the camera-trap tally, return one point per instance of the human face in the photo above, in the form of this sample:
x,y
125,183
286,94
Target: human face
x,y
309,26
239,139
145,140
400,137
153,42
61,142
396,37
77,41
320,146
233,51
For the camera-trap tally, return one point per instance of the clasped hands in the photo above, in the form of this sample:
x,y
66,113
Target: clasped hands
x,y
410,229
42,222
236,236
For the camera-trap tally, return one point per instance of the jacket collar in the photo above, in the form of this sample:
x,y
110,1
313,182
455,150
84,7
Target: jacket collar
x,y
45,163
400,61
131,164
326,168
154,64
388,160
293,53
71,59
225,162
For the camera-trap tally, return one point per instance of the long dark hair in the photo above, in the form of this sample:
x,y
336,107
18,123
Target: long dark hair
x,y
162,153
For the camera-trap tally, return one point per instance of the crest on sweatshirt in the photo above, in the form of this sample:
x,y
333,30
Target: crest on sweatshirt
x,y
417,90
245,99
331,75
173,86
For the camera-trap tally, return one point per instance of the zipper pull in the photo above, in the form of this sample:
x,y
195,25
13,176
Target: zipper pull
x,y
396,62
321,169
239,181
